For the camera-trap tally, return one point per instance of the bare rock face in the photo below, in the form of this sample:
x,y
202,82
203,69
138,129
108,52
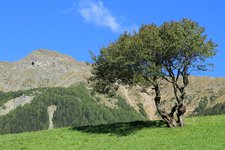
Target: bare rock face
x,y
51,110
42,68
14,103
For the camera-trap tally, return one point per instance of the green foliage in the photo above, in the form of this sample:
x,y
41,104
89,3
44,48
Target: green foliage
x,y
215,110
202,105
75,106
30,117
199,133
26,118
142,110
185,43
170,50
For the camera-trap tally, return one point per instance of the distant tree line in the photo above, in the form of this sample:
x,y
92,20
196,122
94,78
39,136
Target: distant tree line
x,y
75,107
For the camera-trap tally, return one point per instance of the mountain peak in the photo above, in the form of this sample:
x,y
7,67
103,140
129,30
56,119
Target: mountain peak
x,y
42,68
45,52
48,56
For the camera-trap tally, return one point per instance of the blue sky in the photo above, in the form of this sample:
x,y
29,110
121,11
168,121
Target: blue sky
x,y
74,27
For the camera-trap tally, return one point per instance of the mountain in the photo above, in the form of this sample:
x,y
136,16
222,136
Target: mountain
x,y
42,68
43,83
47,89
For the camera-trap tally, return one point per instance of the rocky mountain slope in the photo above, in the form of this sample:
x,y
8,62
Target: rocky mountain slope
x,y
202,93
44,68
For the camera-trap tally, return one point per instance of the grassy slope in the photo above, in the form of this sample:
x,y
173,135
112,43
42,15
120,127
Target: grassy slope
x,y
199,133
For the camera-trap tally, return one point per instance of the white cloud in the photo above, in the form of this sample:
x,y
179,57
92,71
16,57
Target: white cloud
x,y
97,13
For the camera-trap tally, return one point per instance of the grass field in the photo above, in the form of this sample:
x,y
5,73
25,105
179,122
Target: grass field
x,y
200,133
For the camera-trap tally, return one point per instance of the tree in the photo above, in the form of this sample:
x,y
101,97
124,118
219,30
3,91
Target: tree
x,y
168,52
185,48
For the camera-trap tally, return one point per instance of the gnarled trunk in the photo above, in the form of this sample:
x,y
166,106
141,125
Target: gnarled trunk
x,y
181,106
167,117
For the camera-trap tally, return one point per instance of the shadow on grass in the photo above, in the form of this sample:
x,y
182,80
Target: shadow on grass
x,y
121,128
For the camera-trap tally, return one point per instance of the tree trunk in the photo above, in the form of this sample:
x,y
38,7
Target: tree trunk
x,y
180,120
168,118
180,114
179,92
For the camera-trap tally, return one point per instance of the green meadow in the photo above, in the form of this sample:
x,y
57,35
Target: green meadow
x,y
204,133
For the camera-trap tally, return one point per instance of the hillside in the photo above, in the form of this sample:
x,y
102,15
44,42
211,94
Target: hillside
x,y
45,108
199,133
48,69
